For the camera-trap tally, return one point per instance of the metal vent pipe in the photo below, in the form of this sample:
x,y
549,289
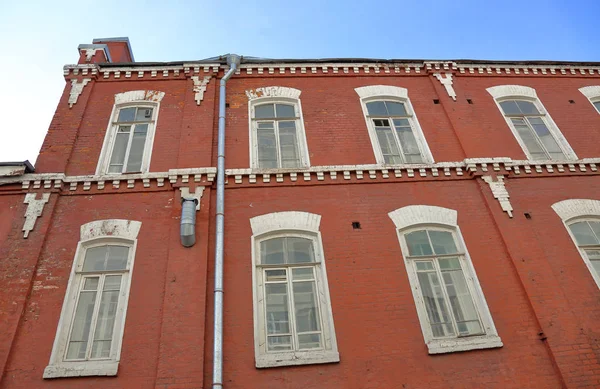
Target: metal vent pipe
x,y
233,61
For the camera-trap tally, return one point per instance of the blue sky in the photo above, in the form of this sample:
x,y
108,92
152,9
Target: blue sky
x,y
38,37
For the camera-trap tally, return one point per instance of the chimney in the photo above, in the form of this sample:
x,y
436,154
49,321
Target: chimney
x,y
103,50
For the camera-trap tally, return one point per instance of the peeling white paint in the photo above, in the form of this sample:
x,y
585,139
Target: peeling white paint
x,y
34,210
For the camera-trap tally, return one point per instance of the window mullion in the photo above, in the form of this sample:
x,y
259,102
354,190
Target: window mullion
x,y
88,351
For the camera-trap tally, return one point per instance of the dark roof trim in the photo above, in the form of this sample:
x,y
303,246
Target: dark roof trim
x,y
28,166
254,60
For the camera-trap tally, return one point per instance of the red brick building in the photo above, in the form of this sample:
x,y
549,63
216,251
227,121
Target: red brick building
x,y
388,224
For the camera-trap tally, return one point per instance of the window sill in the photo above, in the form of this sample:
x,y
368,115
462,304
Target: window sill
x,y
296,358
442,346
82,369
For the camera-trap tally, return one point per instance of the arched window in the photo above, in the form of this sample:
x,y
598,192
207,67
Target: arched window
x,y
450,304
89,333
582,219
593,95
531,124
276,129
293,319
393,126
130,135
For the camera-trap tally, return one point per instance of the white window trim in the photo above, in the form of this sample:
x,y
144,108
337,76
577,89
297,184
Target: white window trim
x,y
292,223
394,93
501,93
578,210
91,234
137,98
592,93
423,216
274,95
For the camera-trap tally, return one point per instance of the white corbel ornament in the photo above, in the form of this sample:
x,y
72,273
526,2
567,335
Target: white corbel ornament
x,y
197,194
500,193
200,87
447,83
76,89
34,210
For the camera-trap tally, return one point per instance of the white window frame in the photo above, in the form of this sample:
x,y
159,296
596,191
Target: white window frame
x,y
291,224
93,234
593,95
138,98
275,95
579,210
419,217
392,93
502,93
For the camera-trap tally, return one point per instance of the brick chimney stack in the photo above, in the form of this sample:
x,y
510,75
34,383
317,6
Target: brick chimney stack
x,y
103,50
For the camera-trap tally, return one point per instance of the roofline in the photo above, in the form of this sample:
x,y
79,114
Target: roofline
x,y
252,60
28,166
117,39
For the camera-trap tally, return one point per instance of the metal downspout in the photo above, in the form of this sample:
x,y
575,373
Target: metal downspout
x,y
233,61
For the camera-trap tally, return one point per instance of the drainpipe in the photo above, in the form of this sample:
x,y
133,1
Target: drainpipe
x,y
233,61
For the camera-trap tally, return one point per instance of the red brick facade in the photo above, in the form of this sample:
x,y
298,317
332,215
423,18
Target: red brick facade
x,y
541,296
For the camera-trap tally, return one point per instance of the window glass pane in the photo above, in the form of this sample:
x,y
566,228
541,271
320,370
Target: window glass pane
x,y
285,111
443,242
134,162
527,107
300,250
143,114
267,149
119,149
279,343
275,275
117,257
435,304
461,301
271,251
597,105
95,258
306,308
424,265
377,108
583,233
408,141
81,325
106,317
510,107
395,108
596,228
418,244
126,114
303,273
530,140
546,137
307,341
388,145
264,111
90,283
289,145
277,311
449,263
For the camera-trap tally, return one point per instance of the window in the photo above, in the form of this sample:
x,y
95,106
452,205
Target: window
x,y
582,219
277,129
450,304
532,126
393,127
130,135
88,338
292,312
593,95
